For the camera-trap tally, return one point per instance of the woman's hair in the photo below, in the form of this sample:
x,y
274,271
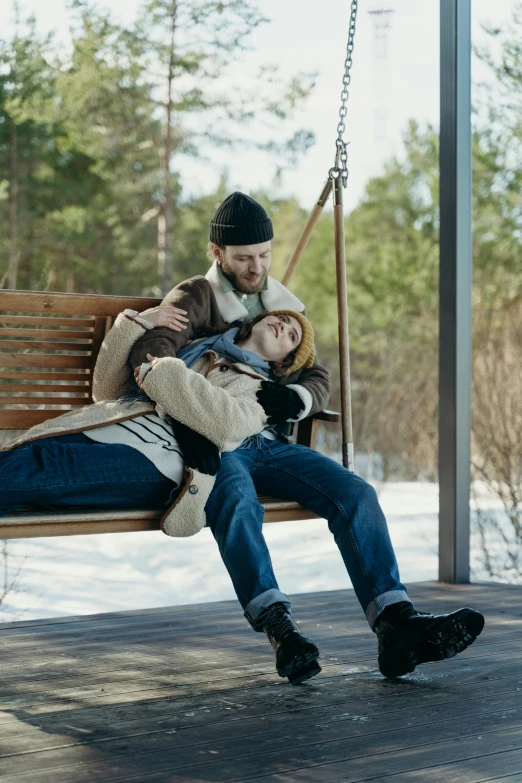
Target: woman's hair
x,y
278,368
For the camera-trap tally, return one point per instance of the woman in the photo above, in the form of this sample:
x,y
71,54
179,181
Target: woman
x,y
121,452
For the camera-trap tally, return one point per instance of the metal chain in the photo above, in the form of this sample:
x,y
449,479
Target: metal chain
x,y
340,167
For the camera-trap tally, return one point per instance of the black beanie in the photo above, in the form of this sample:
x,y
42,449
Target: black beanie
x,y
240,220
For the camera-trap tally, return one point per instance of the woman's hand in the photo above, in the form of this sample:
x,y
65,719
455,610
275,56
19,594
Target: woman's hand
x,y
166,315
141,372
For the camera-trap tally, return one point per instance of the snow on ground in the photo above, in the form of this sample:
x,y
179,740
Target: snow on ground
x,y
74,575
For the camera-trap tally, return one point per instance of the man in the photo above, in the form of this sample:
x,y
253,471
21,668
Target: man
x,y
238,287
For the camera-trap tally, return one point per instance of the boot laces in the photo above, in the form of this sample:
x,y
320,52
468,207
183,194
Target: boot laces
x,y
279,622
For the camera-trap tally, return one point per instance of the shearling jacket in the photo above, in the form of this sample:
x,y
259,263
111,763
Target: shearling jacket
x,y
219,402
211,310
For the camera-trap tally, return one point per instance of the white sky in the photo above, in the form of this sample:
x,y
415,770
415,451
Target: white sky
x,y
306,35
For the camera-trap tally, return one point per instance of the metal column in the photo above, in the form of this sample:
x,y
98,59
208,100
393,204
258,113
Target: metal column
x,y
455,290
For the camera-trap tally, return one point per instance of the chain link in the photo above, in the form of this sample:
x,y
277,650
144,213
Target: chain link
x,y
340,167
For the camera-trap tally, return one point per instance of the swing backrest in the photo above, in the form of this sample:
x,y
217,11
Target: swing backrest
x,y
49,344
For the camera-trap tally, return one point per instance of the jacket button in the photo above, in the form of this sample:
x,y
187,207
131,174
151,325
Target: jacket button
x,y
193,489
223,368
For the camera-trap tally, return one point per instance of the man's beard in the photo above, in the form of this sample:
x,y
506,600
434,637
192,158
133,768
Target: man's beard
x,y
242,285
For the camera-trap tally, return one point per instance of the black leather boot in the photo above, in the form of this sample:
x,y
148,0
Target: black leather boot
x,y
407,637
296,656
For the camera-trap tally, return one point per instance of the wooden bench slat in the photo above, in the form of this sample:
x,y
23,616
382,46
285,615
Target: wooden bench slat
x,y
71,304
44,360
43,401
60,334
83,376
33,517
29,320
38,525
43,387
328,416
85,346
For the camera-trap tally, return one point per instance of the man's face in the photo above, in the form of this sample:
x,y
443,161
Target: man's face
x,y
246,266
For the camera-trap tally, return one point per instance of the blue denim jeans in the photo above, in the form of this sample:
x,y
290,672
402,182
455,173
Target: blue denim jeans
x,y
292,472
68,471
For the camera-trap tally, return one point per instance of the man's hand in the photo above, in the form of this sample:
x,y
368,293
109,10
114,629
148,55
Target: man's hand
x,y
198,452
279,402
166,315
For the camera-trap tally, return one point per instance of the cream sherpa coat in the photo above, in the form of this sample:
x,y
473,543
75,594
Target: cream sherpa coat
x,y
217,401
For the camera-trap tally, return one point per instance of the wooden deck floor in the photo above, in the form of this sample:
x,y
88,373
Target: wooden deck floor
x,y
190,694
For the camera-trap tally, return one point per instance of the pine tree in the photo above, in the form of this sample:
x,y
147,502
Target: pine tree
x,y
26,76
192,49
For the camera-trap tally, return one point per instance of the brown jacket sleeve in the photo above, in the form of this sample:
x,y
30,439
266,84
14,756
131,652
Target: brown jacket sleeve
x,y
317,380
192,295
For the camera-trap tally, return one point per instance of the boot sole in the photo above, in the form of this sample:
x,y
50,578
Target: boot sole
x,y
451,638
297,677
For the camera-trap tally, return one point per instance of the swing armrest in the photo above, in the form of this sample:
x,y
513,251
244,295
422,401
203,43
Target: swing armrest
x,y
307,428
326,416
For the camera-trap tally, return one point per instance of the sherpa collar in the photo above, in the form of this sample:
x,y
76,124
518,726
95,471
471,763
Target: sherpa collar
x,y
274,297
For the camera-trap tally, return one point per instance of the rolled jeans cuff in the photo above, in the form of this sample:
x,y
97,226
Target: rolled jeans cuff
x,y
383,600
257,606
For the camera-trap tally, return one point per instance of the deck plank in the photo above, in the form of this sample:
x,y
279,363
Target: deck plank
x,y
123,672
190,694
103,666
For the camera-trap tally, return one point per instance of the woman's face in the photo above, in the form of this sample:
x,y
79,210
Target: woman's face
x,y
277,336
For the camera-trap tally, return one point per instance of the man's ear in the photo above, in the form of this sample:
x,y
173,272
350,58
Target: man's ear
x,y
216,251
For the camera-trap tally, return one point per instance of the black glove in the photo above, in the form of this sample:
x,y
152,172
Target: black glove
x,y
198,452
279,402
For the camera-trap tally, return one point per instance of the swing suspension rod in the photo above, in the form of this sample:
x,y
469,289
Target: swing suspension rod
x,y
337,180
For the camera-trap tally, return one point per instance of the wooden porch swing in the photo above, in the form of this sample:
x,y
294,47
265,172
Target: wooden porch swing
x,y
50,342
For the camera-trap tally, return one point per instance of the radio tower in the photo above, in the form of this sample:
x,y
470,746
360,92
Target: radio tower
x,y
382,19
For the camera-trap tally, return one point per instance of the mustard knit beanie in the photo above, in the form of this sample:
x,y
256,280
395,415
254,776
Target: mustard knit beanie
x,y
305,354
